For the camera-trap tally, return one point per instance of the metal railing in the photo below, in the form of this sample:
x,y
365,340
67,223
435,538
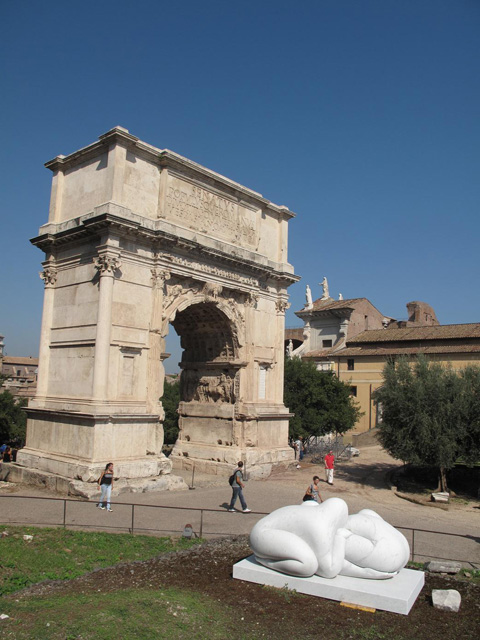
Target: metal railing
x,y
133,528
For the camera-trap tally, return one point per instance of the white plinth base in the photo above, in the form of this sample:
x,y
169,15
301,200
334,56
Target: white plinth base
x,y
397,594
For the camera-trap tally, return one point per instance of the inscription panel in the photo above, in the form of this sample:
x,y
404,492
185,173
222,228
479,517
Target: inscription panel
x,y
205,211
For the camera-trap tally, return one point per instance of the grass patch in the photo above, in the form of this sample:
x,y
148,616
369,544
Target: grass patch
x,y
136,614
58,554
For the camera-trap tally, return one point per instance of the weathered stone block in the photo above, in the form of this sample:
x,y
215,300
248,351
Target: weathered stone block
x,y
446,599
436,566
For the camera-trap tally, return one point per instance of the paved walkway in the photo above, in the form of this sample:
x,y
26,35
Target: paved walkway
x,y
360,482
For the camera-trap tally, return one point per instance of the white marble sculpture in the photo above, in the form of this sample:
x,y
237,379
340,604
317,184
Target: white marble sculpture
x,y
322,539
324,284
289,349
308,297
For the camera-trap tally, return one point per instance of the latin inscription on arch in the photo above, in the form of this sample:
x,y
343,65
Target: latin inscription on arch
x,y
205,211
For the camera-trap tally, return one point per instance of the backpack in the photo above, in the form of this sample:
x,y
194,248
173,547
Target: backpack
x,y
231,479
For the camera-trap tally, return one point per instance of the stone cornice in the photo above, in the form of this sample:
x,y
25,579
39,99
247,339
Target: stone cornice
x,y
153,233
163,158
344,312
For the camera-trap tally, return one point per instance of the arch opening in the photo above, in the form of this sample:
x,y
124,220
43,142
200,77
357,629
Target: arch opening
x,y
210,348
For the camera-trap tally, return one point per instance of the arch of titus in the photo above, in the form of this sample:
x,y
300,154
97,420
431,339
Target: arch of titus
x,y
137,239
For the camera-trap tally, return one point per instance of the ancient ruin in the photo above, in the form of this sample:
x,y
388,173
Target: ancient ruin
x,y
138,239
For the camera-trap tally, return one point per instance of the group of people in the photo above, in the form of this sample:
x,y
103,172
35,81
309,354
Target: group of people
x,y
312,492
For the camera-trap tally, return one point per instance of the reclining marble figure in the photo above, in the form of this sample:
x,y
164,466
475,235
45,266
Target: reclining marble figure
x,y
322,539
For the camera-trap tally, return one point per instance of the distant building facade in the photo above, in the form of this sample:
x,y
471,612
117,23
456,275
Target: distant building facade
x,y
353,339
20,375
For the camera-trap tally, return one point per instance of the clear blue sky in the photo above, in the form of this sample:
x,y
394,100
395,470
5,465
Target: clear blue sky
x,y
362,116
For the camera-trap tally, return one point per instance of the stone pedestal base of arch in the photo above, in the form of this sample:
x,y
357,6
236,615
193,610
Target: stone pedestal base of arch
x,y
67,451
212,439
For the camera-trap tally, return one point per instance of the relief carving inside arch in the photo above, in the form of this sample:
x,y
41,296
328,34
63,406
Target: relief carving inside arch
x,y
202,385
210,347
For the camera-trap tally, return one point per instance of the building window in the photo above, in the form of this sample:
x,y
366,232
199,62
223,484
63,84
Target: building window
x,y
325,366
350,364
326,343
353,391
19,372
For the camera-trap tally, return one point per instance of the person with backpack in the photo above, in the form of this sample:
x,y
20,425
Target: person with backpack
x,y
236,482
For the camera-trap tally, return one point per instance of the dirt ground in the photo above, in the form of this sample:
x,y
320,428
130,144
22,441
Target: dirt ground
x,y
277,614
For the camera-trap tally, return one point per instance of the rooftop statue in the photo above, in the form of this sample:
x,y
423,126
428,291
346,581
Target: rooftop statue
x,y
308,296
322,539
289,349
324,284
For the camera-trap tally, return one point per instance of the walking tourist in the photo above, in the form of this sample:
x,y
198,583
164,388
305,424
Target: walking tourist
x,y
329,466
106,485
299,450
237,486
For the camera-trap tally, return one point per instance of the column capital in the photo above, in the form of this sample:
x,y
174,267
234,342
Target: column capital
x,y
107,263
48,275
159,277
281,306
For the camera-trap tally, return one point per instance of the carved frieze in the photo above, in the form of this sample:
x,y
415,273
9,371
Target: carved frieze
x,y
207,386
209,212
195,265
211,291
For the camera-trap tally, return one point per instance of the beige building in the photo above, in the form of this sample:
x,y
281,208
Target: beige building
x,y
20,375
353,339
361,362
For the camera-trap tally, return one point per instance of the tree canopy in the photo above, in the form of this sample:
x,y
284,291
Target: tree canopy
x,y
13,420
430,414
170,401
320,401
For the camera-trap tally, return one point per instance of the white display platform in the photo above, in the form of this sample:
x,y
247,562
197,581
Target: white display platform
x,y
396,594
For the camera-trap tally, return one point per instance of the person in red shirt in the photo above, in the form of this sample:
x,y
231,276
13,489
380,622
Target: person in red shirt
x,y
329,466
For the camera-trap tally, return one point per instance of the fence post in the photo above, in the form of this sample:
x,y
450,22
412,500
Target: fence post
x,y
201,523
64,513
133,517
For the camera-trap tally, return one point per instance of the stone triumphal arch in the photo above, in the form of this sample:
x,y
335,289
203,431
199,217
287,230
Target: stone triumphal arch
x,y
139,239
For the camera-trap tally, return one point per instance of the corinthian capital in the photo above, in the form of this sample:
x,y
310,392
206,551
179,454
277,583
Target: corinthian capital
x,y
48,275
159,277
282,306
107,264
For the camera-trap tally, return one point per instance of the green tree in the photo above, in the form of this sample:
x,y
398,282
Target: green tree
x,y
170,401
469,412
429,414
13,419
320,401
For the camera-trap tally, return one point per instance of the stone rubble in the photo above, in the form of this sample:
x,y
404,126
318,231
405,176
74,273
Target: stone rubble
x,y
446,599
